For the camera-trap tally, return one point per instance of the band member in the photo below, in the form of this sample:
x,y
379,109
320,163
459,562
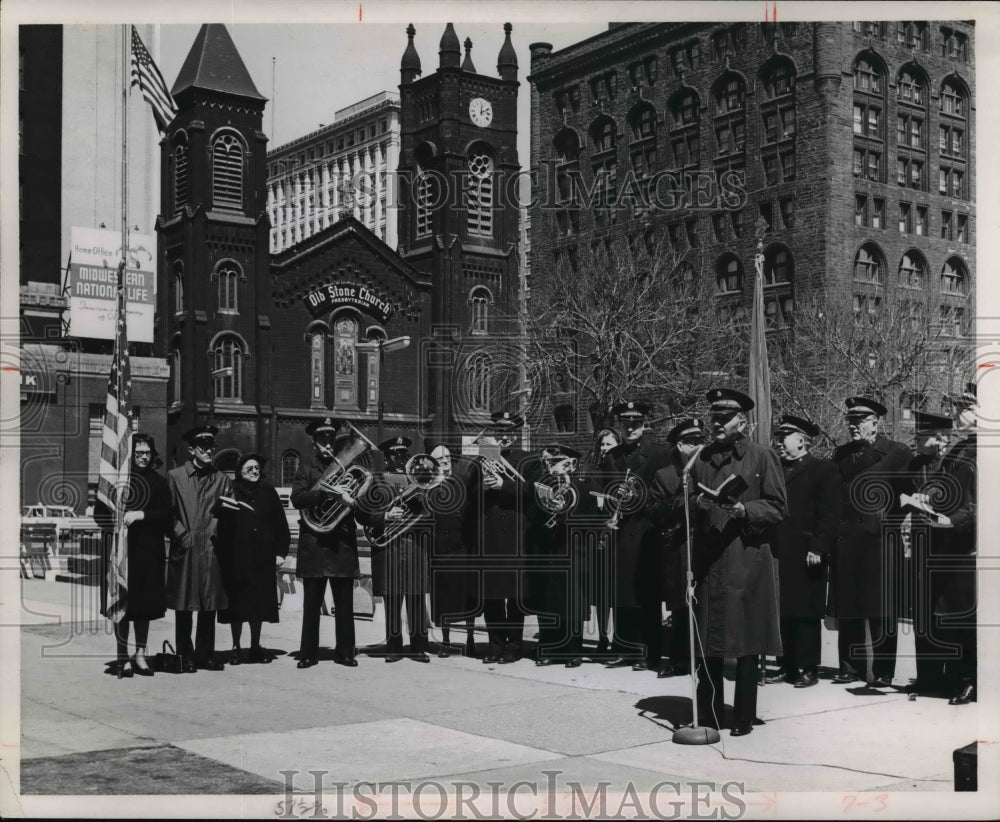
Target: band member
x,y
735,574
943,540
452,580
147,515
867,555
330,556
555,574
639,589
495,519
194,576
399,570
667,511
802,545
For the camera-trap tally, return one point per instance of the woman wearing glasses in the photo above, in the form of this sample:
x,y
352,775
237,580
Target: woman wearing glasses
x,y
254,540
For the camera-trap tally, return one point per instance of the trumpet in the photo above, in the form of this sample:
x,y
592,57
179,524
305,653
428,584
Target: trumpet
x,y
423,473
624,496
340,477
556,494
498,468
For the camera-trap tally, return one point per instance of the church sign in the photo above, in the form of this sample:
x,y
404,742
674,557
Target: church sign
x,y
335,295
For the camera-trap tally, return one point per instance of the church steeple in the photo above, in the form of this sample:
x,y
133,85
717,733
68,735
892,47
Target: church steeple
x,y
467,62
409,66
450,50
507,59
214,64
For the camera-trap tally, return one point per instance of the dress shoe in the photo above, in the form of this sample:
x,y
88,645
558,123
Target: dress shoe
x,y
574,662
123,669
965,696
346,660
307,662
782,676
420,656
845,677
141,670
236,658
620,662
491,659
602,645
670,670
443,651
807,679
257,654
188,666
643,666
394,657
210,665
507,657
470,650
741,729
882,682
544,660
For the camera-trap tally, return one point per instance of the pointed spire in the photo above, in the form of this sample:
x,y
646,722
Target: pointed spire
x,y
507,59
467,62
409,66
450,50
214,63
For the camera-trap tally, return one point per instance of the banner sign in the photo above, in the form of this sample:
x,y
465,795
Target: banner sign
x,y
92,283
334,295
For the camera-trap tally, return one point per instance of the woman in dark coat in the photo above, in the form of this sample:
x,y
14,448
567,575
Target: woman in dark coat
x,y
254,540
147,515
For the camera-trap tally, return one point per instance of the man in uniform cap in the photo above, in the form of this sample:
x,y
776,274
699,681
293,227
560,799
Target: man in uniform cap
x,y
802,545
867,557
736,577
194,577
639,588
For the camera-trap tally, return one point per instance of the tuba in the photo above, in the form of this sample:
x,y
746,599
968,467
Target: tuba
x,y
555,493
423,473
340,476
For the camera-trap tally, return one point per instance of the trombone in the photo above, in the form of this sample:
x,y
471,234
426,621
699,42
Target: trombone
x,y
423,473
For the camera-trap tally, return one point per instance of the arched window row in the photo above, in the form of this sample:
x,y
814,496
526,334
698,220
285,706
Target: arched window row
x,y
870,267
229,275
228,154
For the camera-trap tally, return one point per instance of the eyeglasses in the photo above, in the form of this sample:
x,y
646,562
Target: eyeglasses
x,y
143,453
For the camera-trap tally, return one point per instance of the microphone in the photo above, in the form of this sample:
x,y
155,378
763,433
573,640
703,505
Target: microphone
x,y
694,456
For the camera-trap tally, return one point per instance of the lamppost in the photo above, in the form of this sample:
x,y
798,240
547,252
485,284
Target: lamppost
x,y
383,347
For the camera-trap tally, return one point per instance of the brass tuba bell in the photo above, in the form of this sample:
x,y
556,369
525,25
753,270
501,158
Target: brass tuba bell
x,y
340,476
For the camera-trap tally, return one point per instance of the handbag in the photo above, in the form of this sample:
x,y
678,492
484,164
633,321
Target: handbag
x,y
168,661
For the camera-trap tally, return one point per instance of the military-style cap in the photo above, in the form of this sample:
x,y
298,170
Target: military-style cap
x,y
863,406
926,422
684,429
327,425
557,450
728,399
788,424
506,421
395,444
631,408
203,433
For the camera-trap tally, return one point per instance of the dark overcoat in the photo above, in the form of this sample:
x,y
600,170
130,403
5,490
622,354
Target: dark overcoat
x,y
637,552
868,535
453,582
736,576
147,551
813,488
249,542
667,512
399,567
332,554
194,575
495,522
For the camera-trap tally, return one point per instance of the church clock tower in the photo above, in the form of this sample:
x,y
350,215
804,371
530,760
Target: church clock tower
x,y
458,223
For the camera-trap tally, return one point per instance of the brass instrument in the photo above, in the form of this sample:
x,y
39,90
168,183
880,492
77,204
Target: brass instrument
x,y
424,473
498,468
624,496
340,477
555,493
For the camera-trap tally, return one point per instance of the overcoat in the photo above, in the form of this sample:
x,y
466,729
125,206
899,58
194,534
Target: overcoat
x,y
637,552
813,488
249,542
867,538
453,582
736,577
495,522
334,553
147,551
194,576
400,567
667,512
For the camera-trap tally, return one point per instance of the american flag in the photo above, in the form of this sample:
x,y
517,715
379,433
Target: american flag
x,y
147,77
116,451
760,376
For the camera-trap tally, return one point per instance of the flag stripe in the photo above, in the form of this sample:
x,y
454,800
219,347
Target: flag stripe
x,y
147,77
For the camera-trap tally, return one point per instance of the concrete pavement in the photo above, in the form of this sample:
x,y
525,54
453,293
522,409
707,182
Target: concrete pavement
x,y
457,720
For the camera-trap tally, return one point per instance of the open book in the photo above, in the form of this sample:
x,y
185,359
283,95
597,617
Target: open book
x,y
234,505
909,503
728,491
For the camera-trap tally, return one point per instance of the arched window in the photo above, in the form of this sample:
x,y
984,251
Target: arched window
x,y
479,195
180,171
603,135
176,388
869,266
682,112
345,338
178,287
229,276
373,334
478,379
868,76
642,147
954,278
912,270
289,467
317,366
952,173
953,98
911,88
778,266
729,275
869,120
227,173
480,300
425,194
227,368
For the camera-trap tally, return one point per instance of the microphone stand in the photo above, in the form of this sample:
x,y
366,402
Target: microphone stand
x,y
693,734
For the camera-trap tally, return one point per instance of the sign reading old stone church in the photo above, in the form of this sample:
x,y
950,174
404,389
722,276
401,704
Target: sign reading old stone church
x,y
335,295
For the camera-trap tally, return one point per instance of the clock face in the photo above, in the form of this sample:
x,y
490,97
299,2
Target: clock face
x,y
480,111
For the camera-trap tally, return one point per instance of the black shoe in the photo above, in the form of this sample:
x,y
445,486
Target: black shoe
x,y
574,662
965,696
783,676
882,682
307,662
620,662
443,652
508,657
236,658
470,650
141,670
808,679
258,654
491,659
123,669
642,666
210,665
845,677
741,729
544,660
393,657
347,660
188,666
420,656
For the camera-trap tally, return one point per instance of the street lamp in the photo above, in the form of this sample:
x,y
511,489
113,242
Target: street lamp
x,y
383,347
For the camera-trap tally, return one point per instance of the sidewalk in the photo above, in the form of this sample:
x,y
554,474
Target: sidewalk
x,y
84,731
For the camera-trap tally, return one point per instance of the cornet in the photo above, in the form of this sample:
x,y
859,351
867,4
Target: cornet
x,y
556,494
624,495
424,473
498,468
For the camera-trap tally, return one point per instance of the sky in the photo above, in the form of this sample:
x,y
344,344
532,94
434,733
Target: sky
x,y
318,69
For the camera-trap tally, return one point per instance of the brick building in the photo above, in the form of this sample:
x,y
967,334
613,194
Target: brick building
x,y
855,142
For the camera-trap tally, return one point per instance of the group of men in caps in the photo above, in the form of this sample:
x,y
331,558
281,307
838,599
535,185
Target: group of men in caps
x,y
779,540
